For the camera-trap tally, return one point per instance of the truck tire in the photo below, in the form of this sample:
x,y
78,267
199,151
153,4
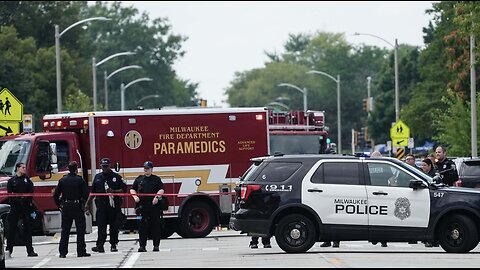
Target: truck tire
x,y
458,234
295,234
196,221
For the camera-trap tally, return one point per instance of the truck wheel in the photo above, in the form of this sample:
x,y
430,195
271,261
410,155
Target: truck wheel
x,y
458,234
197,220
295,234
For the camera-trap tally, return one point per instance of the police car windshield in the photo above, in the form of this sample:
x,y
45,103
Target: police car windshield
x,y
11,153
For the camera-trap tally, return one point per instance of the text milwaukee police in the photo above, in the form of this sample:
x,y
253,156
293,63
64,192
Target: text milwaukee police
x,y
358,206
193,140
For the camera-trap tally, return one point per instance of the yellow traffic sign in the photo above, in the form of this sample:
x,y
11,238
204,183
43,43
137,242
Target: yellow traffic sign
x,y
9,128
400,133
11,109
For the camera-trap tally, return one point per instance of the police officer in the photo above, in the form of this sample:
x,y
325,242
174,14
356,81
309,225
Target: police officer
x,y
21,209
108,207
147,206
445,167
74,193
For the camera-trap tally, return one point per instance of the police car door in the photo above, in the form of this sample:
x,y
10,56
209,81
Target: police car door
x,y
335,190
391,202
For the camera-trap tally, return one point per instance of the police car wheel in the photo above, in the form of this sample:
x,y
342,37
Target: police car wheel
x,y
295,234
458,234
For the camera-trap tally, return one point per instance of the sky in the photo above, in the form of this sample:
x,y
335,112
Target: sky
x,y
233,36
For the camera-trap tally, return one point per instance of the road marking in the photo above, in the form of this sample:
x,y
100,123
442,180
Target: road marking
x,y
42,263
131,261
210,249
165,250
335,262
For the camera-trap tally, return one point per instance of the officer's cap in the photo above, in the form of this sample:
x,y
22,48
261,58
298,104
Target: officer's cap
x,y
148,164
105,162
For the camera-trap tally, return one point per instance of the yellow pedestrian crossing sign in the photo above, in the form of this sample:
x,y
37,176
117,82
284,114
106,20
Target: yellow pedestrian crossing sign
x,y
400,133
11,109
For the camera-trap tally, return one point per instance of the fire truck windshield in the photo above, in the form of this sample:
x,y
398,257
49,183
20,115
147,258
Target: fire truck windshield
x,y
295,144
11,153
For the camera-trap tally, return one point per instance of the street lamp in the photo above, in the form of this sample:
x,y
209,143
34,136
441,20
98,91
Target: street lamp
x,y
395,47
124,87
105,80
274,103
147,97
94,73
473,98
304,91
339,123
57,56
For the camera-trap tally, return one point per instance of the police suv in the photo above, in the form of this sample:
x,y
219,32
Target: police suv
x,y
302,199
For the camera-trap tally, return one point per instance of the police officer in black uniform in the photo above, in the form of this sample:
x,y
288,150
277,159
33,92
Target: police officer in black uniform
x,y
108,207
148,207
21,209
74,193
445,167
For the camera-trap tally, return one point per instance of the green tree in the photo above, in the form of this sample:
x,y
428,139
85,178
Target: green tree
x,y
383,115
454,125
156,46
326,52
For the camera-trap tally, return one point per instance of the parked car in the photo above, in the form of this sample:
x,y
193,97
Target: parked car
x,y
4,209
303,199
468,172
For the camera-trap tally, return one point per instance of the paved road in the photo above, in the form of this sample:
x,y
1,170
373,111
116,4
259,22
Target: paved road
x,y
230,249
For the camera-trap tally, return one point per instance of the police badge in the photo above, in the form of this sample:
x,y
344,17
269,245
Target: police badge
x,y
402,208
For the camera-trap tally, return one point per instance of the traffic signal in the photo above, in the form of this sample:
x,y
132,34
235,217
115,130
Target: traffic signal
x,y
368,144
360,136
355,137
365,133
365,104
203,103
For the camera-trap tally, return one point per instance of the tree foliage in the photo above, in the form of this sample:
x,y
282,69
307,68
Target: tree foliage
x,y
27,56
325,52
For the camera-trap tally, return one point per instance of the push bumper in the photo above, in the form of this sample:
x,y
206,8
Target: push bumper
x,y
250,226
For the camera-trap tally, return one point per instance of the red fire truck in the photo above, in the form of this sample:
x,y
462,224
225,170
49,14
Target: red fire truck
x,y
297,132
199,153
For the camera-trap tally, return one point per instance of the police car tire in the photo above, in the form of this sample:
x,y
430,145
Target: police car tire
x,y
467,234
295,233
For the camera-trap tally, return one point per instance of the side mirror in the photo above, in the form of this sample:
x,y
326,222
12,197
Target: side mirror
x,y
117,166
53,153
416,184
44,160
54,168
